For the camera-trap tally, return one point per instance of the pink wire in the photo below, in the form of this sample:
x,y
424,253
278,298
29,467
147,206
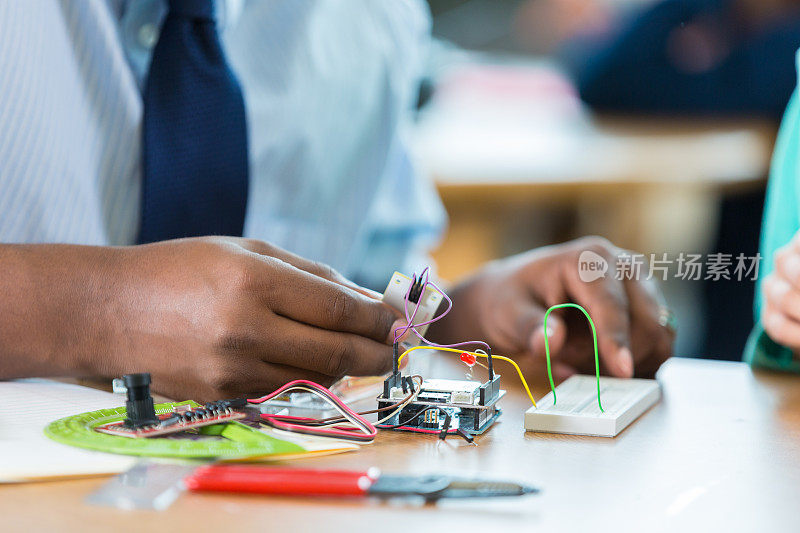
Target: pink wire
x,y
415,430
410,319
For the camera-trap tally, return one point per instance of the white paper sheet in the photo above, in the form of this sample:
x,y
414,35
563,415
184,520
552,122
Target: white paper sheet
x,y
26,408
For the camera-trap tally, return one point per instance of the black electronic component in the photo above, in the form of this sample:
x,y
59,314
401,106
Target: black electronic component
x,y
394,379
139,405
489,366
408,384
446,426
466,436
223,405
489,390
171,420
415,293
395,361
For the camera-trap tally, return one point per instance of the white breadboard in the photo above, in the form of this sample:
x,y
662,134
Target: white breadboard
x,y
577,413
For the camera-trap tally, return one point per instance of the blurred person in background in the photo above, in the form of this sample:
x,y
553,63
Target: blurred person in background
x,y
554,27
132,130
711,58
775,340
714,57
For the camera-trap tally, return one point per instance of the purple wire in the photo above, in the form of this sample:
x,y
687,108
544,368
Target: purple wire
x,y
410,319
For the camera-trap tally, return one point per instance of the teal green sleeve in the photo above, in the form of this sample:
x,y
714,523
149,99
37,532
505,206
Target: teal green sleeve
x,y
763,352
779,226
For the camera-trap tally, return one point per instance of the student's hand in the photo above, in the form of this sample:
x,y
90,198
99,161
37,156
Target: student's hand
x,y
209,318
504,304
780,312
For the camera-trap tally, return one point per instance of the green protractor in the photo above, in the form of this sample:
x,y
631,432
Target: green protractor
x,y
547,349
228,440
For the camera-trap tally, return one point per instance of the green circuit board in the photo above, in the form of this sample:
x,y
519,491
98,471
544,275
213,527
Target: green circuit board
x,y
230,440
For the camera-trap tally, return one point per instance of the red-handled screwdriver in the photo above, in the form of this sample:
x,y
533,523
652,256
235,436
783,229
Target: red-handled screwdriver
x,y
263,480
303,482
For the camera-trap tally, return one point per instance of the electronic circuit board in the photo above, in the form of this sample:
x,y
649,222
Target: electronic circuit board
x,y
443,405
182,418
231,440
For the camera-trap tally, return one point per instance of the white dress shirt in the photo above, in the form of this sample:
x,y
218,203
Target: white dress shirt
x,y
328,85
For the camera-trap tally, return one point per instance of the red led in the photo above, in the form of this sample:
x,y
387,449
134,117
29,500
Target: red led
x,y
468,358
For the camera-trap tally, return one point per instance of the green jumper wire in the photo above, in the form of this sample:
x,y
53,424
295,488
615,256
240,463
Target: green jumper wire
x,y
547,350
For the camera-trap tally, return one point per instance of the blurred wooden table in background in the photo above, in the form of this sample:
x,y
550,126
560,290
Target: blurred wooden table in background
x,y
720,452
520,162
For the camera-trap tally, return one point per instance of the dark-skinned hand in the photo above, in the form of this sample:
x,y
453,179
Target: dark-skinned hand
x,y
209,318
505,303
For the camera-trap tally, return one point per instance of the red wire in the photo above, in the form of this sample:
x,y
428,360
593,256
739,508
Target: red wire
x,y
369,431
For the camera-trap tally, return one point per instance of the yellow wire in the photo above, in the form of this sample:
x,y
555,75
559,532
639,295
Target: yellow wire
x,y
476,354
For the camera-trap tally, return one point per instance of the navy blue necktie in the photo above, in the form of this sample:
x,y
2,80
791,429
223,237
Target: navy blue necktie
x,y
195,134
